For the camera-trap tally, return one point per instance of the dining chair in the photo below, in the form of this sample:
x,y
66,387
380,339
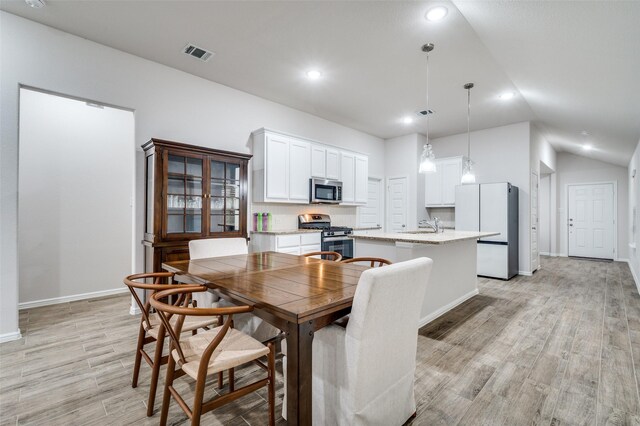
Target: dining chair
x,y
328,255
217,247
363,370
372,261
205,354
150,330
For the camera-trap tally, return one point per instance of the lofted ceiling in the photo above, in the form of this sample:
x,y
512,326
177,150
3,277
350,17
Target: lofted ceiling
x,y
572,65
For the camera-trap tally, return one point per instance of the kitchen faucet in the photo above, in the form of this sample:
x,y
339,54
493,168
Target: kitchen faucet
x,y
426,224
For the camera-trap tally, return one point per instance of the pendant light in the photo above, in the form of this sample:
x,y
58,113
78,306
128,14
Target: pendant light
x,y
467,172
427,159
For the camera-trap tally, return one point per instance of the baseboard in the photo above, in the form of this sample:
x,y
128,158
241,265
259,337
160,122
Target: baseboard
x,y
72,298
545,253
426,320
134,309
634,275
8,337
525,273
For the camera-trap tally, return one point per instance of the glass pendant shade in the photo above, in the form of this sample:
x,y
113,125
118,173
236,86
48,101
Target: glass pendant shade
x,y
467,172
427,160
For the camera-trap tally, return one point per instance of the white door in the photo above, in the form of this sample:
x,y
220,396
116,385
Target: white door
x,y
591,221
277,168
318,161
433,188
535,259
371,213
361,179
333,164
451,175
397,204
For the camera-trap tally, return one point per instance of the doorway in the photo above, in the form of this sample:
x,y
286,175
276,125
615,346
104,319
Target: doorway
x,y
75,198
535,255
591,220
371,215
397,206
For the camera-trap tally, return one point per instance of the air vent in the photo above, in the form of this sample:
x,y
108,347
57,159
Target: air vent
x,y
197,52
424,112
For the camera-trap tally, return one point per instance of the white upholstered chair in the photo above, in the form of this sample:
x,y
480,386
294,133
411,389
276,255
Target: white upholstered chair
x,y
363,374
217,247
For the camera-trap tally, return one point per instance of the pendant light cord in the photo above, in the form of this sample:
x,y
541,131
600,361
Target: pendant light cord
x,y
427,98
468,123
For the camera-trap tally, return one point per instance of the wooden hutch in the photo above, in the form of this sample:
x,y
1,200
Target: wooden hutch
x,y
191,192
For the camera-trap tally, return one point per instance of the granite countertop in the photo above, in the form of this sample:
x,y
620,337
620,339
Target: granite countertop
x,y
287,231
367,228
448,236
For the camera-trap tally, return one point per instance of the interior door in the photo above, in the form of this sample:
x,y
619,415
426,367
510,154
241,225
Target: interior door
x,y
397,204
535,259
591,221
371,213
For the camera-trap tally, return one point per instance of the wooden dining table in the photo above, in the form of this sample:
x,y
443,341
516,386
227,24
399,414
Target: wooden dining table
x,y
296,294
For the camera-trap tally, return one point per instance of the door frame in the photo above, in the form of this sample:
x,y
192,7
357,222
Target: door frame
x,y
615,212
387,218
537,224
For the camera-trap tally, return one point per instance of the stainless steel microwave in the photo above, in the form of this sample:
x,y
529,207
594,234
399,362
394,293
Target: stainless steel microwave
x,y
323,191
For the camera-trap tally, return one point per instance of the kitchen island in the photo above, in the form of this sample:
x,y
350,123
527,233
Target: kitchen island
x,y
454,253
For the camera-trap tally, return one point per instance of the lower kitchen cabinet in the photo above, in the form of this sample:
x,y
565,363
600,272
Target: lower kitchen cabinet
x,y
298,244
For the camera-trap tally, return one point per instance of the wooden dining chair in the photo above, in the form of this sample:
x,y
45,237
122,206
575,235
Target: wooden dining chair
x,y
327,255
205,354
373,261
150,327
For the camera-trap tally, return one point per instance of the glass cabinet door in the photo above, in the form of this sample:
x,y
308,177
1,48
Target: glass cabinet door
x,y
225,197
184,195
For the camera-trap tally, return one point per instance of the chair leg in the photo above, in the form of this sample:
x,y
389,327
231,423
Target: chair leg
x,y
197,403
232,380
166,397
155,372
136,365
271,364
220,380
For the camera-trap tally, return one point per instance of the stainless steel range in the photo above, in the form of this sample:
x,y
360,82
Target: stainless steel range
x,y
334,238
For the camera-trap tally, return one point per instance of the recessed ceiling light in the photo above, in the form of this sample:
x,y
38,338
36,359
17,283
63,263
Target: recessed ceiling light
x,y
584,133
507,95
314,74
407,120
436,14
36,4
587,147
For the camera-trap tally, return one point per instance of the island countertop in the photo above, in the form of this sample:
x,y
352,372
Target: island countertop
x,y
448,236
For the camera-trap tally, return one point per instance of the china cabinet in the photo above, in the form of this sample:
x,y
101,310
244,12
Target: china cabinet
x,y
191,192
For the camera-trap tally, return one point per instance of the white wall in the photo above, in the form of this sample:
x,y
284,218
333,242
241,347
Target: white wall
x,y
500,154
576,169
633,211
168,104
76,173
544,231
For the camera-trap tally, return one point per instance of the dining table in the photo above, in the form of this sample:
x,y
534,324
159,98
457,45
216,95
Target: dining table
x,y
297,294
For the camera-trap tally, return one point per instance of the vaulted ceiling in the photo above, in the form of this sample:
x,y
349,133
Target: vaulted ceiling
x,y
572,65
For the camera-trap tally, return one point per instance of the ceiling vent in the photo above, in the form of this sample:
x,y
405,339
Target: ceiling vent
x,y
424,112
197,52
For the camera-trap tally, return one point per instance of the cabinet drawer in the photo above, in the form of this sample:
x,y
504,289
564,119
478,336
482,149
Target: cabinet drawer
x,y
290,250
284,241
311,238
310,248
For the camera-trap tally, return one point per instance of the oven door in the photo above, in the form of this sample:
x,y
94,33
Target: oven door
x,y
342,245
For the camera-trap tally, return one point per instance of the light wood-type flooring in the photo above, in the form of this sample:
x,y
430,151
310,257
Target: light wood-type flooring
x,y
560,347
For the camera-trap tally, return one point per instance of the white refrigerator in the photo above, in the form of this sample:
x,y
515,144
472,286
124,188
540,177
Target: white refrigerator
x,y
491,207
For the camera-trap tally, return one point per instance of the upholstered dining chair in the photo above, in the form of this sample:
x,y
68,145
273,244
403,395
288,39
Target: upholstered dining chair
x,y
217,247
363,371
328,255
373,261
150,330
205,354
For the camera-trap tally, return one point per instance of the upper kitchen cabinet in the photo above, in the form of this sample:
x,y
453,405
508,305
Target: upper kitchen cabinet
x,y
440,187
281,168
325,162
191,192
354,176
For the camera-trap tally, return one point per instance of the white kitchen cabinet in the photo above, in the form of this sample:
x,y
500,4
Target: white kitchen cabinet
x,y
355,178
440,187
286,243
281,168
325,162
